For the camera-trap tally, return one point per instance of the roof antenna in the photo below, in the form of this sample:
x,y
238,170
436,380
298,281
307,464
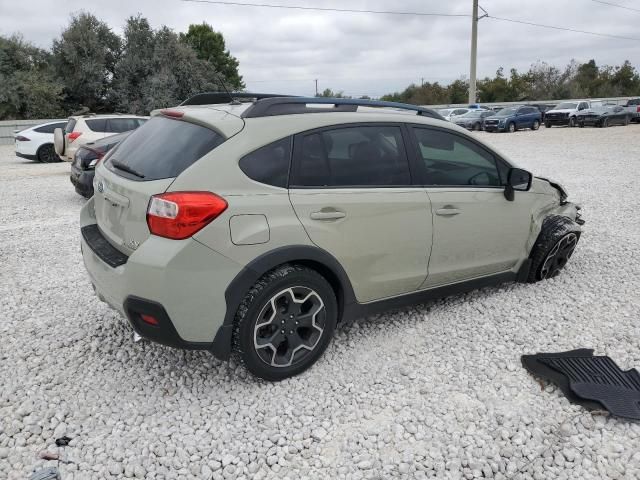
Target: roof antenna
x,y
233,101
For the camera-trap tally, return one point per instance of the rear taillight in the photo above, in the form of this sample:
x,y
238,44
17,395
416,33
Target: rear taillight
x,y
172,113
73,135
179,215
638,109
20,138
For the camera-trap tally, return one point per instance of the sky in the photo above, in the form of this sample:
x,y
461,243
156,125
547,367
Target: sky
x,y
284,50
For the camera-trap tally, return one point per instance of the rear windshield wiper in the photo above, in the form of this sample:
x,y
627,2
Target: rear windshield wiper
x,y
126,168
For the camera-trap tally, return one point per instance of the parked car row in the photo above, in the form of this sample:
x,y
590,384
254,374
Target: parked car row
x,y
572,114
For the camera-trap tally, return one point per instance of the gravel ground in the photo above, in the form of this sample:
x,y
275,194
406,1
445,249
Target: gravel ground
x,y
431,391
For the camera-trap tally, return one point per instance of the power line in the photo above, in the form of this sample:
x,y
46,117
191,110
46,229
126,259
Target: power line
x,y
324,9
617,5
522,22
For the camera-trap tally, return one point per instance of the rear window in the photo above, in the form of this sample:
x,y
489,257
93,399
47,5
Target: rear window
x,y
162,148
97,124
71,124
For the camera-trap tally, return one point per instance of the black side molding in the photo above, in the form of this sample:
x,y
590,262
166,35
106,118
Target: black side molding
x,y
101,247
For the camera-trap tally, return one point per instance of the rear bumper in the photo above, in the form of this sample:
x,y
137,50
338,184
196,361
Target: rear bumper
x,y
182,281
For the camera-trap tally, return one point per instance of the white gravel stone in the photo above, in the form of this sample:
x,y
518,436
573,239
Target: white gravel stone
x,y
436,388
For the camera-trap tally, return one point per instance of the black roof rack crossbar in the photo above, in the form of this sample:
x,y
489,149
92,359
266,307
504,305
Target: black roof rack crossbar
x,y
212,98
291,105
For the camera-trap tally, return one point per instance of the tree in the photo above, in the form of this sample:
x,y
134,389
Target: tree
x,y
328,93
84,58
29,89
134,67
210,47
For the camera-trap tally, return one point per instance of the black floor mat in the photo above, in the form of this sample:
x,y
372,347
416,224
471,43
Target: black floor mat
x,y
593,382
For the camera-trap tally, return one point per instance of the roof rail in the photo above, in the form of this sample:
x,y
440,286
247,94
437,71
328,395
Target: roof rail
x,y
268,107
212,98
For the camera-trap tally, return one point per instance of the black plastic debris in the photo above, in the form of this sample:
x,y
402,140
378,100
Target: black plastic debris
x,y
595,382
63,441
49,473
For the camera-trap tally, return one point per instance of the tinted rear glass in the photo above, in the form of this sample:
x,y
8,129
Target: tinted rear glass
x,y
71,124
97,124
162,148
269,164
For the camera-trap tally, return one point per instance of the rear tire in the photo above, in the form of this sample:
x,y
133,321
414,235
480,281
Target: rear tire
x,y
627,120
581,124
536,125
285,322
547,124
553,248
605,123
47,154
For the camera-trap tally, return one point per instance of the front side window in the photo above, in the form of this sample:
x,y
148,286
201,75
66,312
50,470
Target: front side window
x,y
269,164
451,160
351,156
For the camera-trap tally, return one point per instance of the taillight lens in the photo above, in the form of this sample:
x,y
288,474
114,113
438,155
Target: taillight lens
x,y
638,109
21,138
73,135
179,215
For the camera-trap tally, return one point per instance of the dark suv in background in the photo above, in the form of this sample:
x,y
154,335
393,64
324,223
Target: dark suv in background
x,y
510,119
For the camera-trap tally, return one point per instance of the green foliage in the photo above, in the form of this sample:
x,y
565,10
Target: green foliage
x,y
541,82
210,47
331,94
84,58
29,88
91,67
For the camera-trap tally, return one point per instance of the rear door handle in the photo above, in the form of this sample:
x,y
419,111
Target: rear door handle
x,y
447,212
327,215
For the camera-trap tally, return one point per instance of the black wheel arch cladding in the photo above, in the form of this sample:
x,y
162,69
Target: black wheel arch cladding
x,y
310,256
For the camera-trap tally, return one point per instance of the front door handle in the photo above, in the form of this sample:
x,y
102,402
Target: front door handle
x,y
447,212
327,215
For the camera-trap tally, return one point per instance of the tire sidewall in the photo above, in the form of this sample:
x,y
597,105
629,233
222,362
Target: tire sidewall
x,y
245,328
42,148
536,125
511,127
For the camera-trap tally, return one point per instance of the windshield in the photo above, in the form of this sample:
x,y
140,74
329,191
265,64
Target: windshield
x,y
506,112
566,106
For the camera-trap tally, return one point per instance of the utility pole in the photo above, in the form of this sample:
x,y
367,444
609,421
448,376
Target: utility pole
x,y
316,87
474,53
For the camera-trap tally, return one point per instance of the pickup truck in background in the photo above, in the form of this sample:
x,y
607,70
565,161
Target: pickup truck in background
x,y
633,107
565,113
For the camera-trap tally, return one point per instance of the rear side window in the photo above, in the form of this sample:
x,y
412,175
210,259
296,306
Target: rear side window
x,y
71,124
162,148
269,164
120,125
49,128
354,156
97,124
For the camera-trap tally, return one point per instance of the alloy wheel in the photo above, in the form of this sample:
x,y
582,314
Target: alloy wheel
x,y
559,255
289,326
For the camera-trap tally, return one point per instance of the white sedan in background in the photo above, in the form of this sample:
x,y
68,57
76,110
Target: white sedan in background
x,y
36,143
449,113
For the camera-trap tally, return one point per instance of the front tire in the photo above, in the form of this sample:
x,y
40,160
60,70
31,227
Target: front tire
x,y
47,154
553,248
572,122
536,125
605,123
547,124
511,128
285,322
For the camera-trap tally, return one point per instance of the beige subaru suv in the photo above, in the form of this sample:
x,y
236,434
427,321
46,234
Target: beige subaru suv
x,y
81,129
251,229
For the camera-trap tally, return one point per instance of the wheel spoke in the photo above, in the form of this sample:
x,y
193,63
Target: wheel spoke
x,y
289,326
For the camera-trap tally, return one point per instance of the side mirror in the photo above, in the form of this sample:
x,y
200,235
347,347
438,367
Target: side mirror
x,y
517,179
